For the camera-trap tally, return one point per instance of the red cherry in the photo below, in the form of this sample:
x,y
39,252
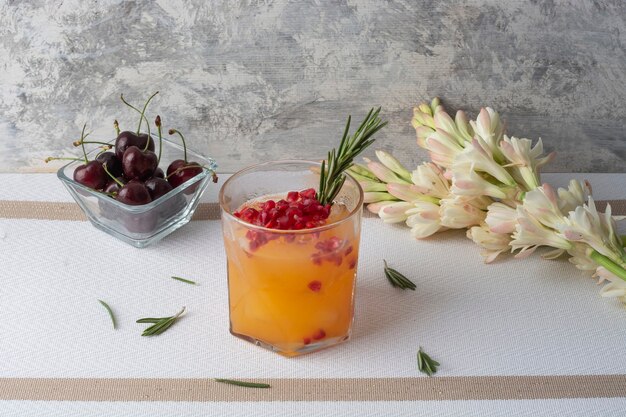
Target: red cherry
x,y
134,193
138,164
159,173
157,187
127,139
179,172
91,175
114,164
113,186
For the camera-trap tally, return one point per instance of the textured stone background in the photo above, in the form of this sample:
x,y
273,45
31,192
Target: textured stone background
x,y
257,80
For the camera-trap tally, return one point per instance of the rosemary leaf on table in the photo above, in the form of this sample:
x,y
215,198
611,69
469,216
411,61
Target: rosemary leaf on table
x,y
159,324
425,363
187,281
110,313
398,280
243,383
340,159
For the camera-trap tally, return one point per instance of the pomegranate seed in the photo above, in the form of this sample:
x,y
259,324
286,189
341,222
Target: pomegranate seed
x,y
269,204
352,263
282,205
293,196
308,193
283,222
306,340
316,259
348,251
320,334
315,286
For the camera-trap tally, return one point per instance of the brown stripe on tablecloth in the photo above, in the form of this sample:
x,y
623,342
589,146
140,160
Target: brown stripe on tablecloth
x,y
343,389
48,210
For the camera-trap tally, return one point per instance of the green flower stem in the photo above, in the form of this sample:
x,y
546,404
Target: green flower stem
x,y
623,240
608,264
429,199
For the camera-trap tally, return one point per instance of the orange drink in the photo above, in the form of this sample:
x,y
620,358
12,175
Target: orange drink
x,y
291,262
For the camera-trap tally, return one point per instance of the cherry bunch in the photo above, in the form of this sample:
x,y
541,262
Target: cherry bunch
x,y
131,174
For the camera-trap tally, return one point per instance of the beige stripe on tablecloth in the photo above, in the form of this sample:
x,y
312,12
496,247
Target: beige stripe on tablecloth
x,y
343,389
47,210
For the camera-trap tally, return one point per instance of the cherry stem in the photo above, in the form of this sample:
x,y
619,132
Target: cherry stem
x,y
53,158
116,125
104,149
143,112
137,110
188,167
157,122
171,132
110,175
82,142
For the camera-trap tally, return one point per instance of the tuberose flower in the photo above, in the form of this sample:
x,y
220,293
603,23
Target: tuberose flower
x,y
460,213
530,234
493,244
524,161
616,286
501,218
395,212
430,178
424,219
488,127
597,230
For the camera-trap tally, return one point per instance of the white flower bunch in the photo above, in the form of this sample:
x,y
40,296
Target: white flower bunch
x,y
484,181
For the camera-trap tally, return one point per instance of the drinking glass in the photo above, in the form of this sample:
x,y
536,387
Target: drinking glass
x,y
290,291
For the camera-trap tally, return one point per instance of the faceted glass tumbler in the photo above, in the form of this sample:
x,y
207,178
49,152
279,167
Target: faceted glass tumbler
x,y
146,224
294,293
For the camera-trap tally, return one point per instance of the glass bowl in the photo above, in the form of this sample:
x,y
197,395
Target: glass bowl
x,y
142,225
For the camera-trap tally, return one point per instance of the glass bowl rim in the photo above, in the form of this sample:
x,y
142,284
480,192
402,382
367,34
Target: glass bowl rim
x,y
230,216
144,207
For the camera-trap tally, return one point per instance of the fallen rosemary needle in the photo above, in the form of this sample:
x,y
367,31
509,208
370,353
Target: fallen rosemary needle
x,y
110,313
187,281
243,383
160,324
425,363
397,279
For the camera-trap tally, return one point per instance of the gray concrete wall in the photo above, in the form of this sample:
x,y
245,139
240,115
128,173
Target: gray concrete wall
x,y
251,81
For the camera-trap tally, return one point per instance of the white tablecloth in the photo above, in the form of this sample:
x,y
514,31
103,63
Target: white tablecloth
x,y
514,318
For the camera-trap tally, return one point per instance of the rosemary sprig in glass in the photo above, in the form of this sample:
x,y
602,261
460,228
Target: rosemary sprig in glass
x,y
159,324
243,383
340,159
397,279
425,363
110,313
